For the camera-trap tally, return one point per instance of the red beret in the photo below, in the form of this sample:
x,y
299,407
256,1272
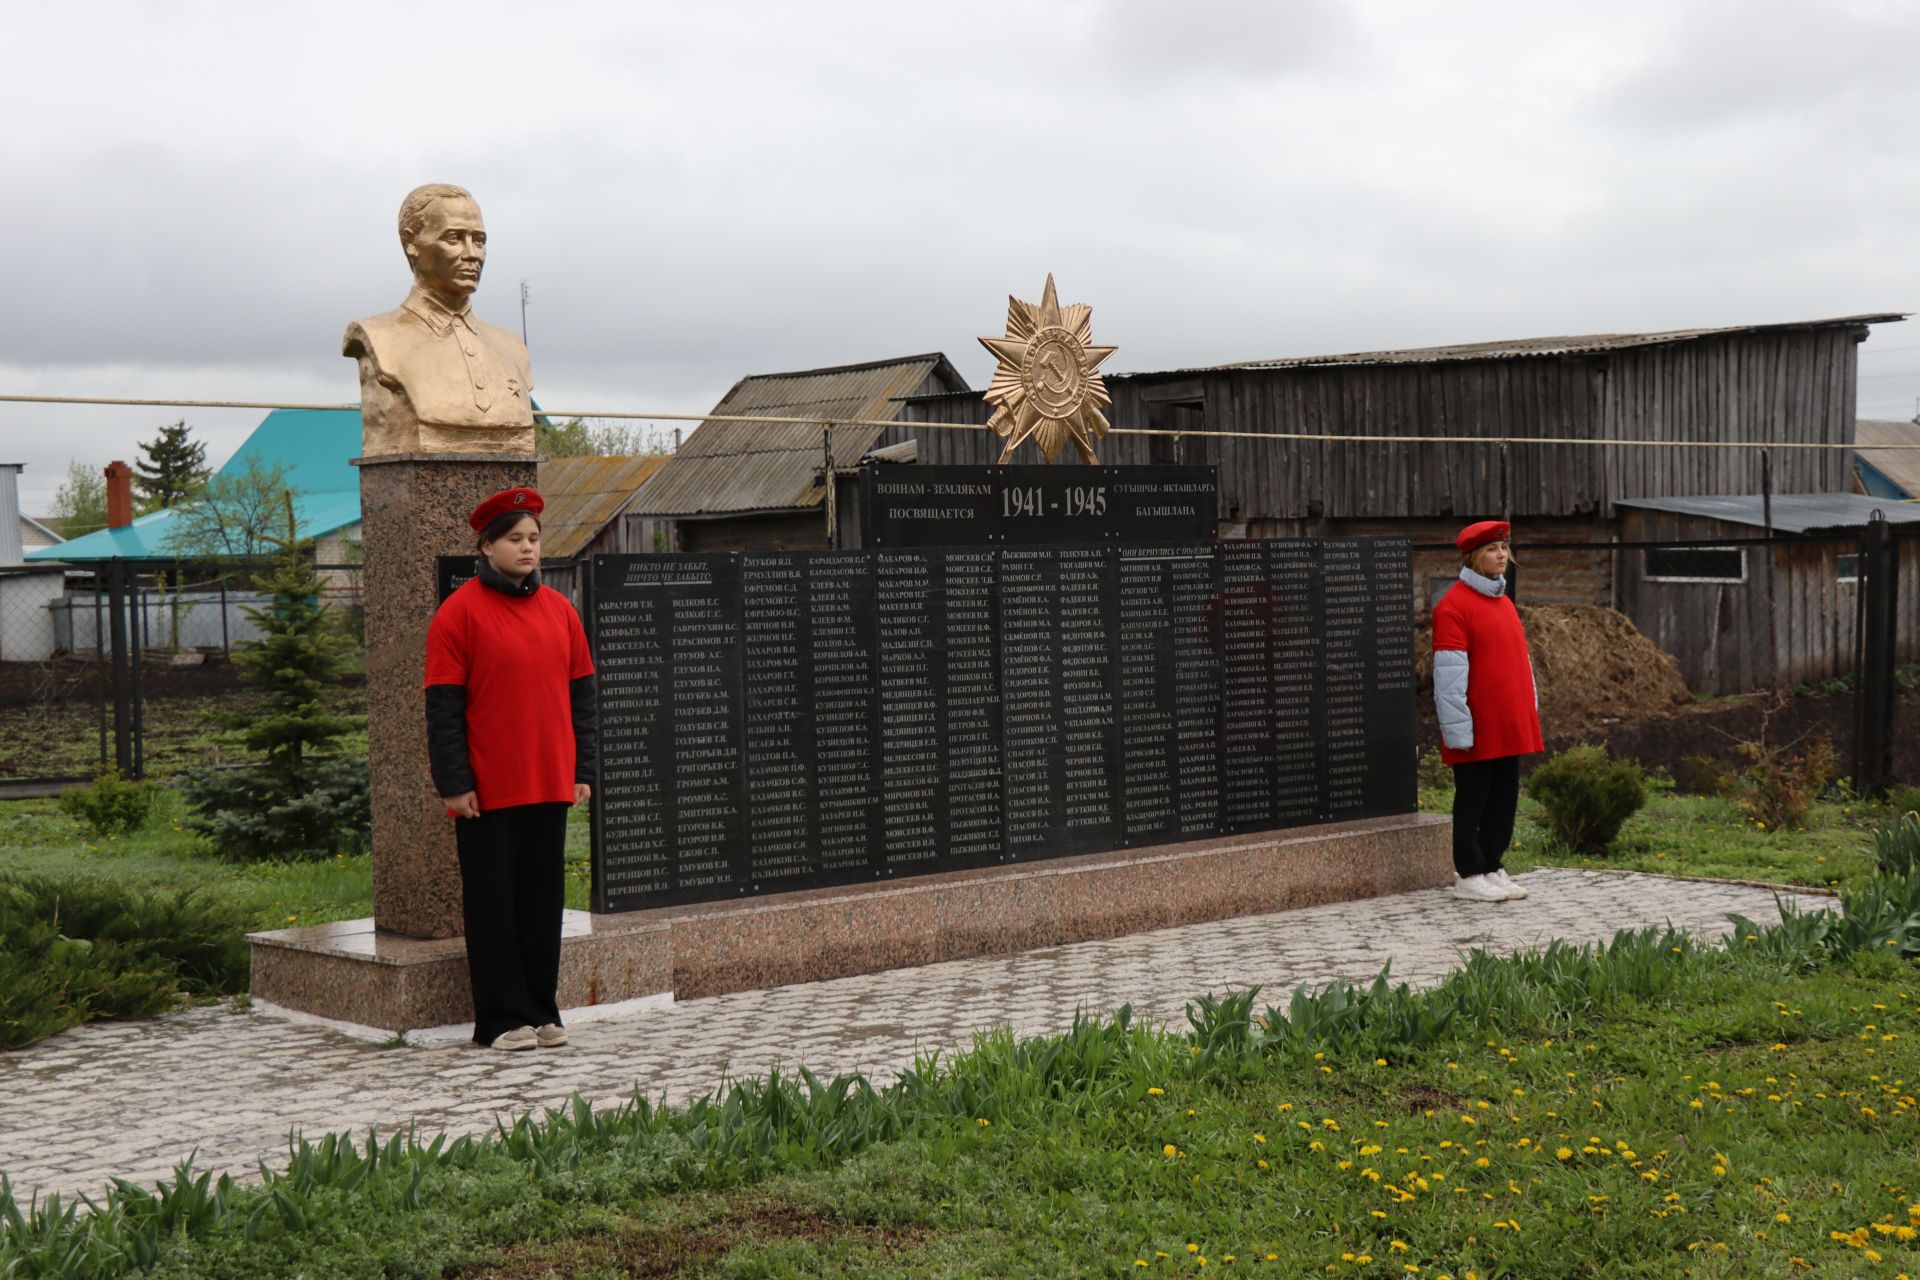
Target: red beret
x,y
1479,535
524,501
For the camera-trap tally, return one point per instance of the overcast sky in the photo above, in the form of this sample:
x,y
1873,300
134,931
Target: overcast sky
x,y
196,198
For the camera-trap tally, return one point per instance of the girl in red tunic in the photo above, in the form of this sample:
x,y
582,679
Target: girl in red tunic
x,y
510,734
1489,709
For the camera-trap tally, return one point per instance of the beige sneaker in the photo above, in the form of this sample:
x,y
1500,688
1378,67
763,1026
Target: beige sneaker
x,y
551,1036
518,1038
1507,882
1479,889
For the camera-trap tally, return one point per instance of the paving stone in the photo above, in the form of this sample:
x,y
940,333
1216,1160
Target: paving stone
x,y
132,1099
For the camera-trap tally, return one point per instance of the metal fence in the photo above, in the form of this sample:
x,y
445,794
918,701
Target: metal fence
x,y
129,664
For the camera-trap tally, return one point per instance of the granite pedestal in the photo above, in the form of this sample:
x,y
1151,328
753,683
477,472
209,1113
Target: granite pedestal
x,y
413,510
356,974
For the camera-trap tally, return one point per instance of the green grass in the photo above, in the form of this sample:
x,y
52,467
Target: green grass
x,y
1706,836
1653,1108
39,839
36,837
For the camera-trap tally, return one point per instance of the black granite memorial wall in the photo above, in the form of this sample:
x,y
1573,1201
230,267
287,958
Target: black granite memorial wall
x,y
785,720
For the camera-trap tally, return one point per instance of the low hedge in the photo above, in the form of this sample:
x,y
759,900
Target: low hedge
x,y
77,949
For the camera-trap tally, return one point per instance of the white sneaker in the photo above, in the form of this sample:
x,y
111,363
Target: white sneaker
x,y
1500,877
550,1036
1479,889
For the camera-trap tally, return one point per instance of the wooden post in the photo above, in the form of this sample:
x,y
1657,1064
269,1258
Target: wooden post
x,y
1506,513
1873,730
833,485
1773,616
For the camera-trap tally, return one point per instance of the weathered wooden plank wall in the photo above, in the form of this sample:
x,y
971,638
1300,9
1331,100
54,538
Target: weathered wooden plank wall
x,y
1786,385
1719,632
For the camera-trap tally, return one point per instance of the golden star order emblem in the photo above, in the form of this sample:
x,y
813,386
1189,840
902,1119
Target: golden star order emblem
x,y
1047,387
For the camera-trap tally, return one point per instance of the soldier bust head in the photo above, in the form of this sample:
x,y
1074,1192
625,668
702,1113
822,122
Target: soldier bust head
x,y
433,377
445,240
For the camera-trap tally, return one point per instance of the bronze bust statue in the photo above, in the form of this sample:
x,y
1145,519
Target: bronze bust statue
x,y
433,377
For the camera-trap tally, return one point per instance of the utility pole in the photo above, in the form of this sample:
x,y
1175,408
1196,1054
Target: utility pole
x,y
523,313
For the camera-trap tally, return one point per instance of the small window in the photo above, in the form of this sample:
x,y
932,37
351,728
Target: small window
x,y
1696,564
1847,567
1174,415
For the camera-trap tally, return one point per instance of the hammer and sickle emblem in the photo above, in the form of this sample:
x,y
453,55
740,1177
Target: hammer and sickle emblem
x,y
1055,366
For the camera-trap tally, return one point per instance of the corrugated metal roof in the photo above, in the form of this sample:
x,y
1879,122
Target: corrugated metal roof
x,y
1901,466
759,466
314,448
1520,348
583,494
1792,512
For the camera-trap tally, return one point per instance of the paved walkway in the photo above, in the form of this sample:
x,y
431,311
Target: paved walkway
x,y
131,1099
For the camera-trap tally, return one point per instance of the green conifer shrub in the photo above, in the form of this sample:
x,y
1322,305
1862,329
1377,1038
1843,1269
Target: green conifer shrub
x,y
1588,797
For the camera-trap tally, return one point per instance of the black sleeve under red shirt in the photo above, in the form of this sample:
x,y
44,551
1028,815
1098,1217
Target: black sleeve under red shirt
x,y
524,667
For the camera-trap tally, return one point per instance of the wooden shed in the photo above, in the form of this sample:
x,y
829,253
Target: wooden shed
x,y
1740,616
1780,382
585,515
735,486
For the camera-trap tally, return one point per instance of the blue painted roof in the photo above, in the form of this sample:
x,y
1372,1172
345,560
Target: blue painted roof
x,y
314,446
1876,482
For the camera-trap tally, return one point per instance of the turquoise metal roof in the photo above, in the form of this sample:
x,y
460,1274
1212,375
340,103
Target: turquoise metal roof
x,y
314,446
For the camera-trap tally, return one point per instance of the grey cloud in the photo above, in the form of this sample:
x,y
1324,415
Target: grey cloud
x,y
1251,40
1769,62
697,194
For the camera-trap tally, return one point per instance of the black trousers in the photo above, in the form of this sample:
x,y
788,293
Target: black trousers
x,y
1486,793
513,888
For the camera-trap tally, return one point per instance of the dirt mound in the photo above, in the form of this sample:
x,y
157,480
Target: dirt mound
x,y
1595,670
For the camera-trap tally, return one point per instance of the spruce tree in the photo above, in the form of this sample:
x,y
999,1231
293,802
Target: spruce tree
x,y
174,466
296,661
301,801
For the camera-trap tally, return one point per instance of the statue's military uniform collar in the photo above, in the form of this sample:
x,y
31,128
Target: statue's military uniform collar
x,y
435,314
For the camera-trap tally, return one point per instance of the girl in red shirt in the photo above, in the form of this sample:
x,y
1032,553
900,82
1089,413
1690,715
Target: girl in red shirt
x,y
510,735
1488,707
